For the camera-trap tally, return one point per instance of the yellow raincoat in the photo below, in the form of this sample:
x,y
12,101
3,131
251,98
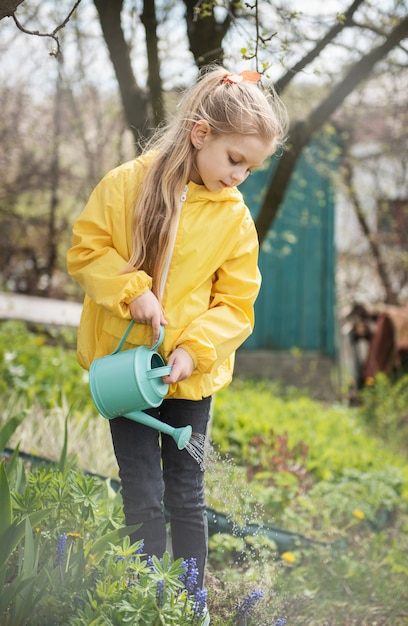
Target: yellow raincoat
x,y
211,286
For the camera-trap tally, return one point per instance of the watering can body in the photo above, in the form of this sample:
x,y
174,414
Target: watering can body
x,y
128,381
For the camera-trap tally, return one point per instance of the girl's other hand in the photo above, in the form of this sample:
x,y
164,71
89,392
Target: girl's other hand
x,y
182,366
146,309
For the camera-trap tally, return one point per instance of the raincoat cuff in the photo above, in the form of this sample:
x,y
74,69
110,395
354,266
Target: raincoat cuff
x,y
191,352
138,284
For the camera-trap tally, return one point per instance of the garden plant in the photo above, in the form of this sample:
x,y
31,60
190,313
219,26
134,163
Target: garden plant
x,y
311,501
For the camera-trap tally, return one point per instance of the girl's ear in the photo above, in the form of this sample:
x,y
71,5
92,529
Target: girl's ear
x,y
200,131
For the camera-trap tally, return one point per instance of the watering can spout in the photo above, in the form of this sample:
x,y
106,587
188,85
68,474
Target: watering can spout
x,y
180,435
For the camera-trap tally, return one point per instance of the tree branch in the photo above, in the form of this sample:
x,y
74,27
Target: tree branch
x,y
313,54
302,132
390,295
53,35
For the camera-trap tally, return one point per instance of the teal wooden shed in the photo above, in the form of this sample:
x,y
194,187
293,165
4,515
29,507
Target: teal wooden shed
x,y
296,305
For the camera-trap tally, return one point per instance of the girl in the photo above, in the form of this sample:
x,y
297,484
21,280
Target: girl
x,y
167,239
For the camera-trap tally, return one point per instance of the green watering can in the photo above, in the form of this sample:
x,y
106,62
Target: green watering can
x,y
126,383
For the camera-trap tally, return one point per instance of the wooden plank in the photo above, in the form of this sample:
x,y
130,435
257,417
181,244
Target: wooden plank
x,y
39,310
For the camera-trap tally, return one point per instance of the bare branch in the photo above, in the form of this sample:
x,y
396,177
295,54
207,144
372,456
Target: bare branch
x,y
302,131
258,39
325,41
391,296
56,53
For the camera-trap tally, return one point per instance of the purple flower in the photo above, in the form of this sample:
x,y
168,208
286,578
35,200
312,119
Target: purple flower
x,y
248,603
160,591
149,563
62,542
280,622
190,576
200,602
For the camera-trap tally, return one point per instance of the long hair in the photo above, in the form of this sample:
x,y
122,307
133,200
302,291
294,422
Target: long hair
x,y
243,108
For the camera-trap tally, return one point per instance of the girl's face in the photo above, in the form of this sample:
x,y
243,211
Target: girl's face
x,y
225,160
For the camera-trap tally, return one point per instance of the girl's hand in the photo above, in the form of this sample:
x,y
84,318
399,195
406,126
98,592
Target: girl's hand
x,y
183,366
146,309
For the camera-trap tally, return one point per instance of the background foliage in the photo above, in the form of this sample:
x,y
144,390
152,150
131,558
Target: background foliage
x,y
68,118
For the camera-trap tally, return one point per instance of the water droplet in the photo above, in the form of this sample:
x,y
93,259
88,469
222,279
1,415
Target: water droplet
x,y
196,448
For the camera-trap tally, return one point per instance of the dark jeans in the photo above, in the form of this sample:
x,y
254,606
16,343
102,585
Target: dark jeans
x,y
153,472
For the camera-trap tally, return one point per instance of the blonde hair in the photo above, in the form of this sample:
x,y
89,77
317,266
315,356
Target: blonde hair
x,y
243,108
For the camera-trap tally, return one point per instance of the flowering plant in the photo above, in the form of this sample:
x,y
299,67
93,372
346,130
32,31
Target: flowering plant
x,y
134,589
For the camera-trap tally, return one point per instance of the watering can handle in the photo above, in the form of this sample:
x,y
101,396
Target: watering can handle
x,y
160,339
127,331
158,372
125,334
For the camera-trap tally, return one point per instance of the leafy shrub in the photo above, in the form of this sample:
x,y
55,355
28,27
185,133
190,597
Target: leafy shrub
x,y
61,561
384,407
45,374
335,436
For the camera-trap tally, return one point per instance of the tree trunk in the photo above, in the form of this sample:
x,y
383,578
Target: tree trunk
x,y
133,98
390,296
205,34
8,7
149,21
302,132
55,175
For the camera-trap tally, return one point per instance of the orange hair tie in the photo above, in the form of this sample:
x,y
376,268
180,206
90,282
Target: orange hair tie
x,y
247,76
